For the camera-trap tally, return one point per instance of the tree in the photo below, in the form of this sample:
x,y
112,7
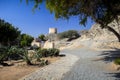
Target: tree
x,y
26,40
100,11
8,33
70,34
42,37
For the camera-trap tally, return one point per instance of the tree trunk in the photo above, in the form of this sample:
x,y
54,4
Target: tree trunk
x,y
108,27
114,32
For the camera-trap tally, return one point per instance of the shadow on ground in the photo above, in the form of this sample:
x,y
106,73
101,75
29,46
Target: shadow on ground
x,y
109,56
62,55
116,75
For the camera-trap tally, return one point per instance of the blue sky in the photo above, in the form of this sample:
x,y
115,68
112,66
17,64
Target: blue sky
x,y
21,15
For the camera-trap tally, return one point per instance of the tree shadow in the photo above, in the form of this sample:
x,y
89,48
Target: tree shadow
x,y
109,56
116,75
61,55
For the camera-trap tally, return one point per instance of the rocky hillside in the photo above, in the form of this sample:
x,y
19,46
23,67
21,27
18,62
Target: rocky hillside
x,y
101,38
96,33
93,38
97,38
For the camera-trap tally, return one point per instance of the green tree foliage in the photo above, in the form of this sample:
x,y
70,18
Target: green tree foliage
x,y
26,40
42,37
100,11
3,54
70,34
8,33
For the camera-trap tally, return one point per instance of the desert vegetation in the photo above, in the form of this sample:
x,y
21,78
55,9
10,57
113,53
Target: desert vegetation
x,y
14,46
117,61
70,34
42,37
16,52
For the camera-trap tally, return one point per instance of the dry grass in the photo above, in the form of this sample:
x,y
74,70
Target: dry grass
x,y
20,69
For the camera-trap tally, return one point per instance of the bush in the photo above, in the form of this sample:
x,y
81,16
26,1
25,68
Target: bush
x,y
71,34
48,52
14,52
53,51
25,56
117,61
8,53
3,54
42,37
38,55
44,52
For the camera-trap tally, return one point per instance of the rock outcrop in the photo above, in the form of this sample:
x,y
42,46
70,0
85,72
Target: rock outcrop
x,y
101,37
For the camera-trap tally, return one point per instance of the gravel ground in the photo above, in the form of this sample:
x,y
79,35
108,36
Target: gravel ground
x,y
54,71
86,68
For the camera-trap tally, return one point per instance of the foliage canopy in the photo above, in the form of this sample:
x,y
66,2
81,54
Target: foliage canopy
x,y
70,34
42,37
26,40
101,11
8,33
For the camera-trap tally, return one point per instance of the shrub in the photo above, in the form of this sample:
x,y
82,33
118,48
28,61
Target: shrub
x,y
3,54
26,57
8,53
71,34
38,55
53,51
44,52
56,52
14,52
42,37
117,61
48,52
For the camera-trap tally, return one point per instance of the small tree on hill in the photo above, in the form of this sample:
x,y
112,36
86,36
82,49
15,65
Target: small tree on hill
x,y
70,34
42,37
